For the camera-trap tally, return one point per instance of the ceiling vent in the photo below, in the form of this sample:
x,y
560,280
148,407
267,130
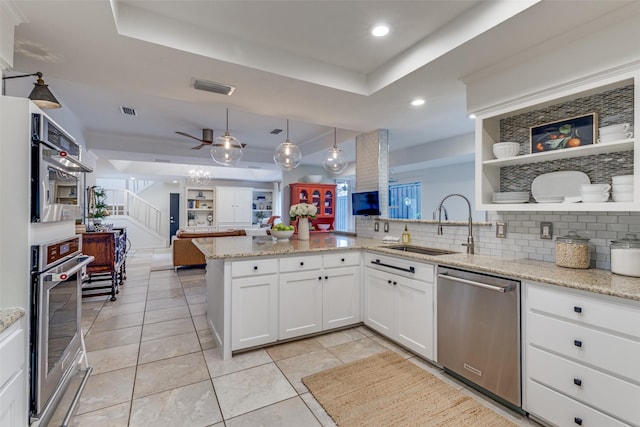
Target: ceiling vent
x,y
162,161
276,132
213,87
128,111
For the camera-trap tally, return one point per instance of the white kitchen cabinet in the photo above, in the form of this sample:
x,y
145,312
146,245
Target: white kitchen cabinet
x,y
233,207
340,297
199,207
318,292
488,131
300,303
254,303
582,349
13,392
398,305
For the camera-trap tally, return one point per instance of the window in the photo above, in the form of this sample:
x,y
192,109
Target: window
x,y
344,219
405,201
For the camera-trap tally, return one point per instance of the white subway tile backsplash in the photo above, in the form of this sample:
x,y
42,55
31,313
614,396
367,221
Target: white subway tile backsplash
x,y
523,233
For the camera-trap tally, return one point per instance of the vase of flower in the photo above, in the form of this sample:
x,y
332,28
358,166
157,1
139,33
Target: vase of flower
x,y
303,229
303,211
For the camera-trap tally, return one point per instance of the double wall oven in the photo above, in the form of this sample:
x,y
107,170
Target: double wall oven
x,y
56,337
55,172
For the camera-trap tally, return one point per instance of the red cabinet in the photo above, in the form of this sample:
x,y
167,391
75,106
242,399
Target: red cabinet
x,y
322,196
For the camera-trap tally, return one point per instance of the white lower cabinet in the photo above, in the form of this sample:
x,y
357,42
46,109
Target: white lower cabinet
x,y
401,308
318,292
254,303
300,304
13,393
581,357
340,297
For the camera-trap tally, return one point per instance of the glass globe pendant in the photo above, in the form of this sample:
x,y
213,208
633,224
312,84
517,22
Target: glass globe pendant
x,y
226,150
287,155
334,159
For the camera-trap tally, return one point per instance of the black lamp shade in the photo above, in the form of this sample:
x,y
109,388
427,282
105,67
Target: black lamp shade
x,y
42,96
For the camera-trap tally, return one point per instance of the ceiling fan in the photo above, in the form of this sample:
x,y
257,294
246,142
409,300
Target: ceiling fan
x,y
207,138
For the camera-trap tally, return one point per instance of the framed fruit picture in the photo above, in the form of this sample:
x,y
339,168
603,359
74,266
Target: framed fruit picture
x,y
567,133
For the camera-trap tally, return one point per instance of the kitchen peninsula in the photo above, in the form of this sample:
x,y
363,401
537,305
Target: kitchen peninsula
x,y
256,264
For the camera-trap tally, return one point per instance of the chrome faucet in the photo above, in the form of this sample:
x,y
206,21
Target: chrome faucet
x,y
438,209
469,244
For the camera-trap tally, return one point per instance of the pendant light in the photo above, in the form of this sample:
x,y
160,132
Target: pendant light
x,y
40,95
226,149
334,160
287,155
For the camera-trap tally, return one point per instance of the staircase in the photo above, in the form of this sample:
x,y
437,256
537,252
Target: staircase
x,y
143,220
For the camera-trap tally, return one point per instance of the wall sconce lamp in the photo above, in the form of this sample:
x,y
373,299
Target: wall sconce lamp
x,y
40,95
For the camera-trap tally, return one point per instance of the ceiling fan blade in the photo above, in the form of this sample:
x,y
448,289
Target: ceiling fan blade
x,y
190,136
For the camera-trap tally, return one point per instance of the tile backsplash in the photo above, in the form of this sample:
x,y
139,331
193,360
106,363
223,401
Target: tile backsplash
x,y
523,233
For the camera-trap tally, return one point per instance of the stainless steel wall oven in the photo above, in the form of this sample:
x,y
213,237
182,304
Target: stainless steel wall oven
x,y
56,340
55,172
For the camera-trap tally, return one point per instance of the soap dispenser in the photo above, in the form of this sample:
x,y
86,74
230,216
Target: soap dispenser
x,y
406,237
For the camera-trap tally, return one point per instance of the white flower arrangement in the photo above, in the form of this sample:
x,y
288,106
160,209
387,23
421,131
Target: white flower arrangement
x,y
303,210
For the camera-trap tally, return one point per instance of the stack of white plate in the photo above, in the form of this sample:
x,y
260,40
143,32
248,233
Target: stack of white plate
x,y
615,132
622,188
511,197
593,193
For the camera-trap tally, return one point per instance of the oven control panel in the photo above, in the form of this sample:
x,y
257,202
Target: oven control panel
x,y
52,253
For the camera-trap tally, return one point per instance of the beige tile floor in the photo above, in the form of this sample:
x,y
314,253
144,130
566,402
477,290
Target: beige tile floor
x,y
155,363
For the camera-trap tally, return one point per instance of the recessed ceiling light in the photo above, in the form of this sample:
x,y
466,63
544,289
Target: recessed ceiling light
x,y
380,30
472,116
417,102
132,178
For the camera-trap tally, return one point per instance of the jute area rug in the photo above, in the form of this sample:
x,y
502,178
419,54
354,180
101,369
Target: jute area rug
x,y
387,390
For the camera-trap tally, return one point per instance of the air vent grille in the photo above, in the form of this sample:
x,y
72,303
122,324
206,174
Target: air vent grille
x,y
276,132
214,87
162,161
128,111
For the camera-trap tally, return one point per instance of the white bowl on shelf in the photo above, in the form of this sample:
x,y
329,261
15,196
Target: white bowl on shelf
x,y
622,197
595,197
506,149
622,179
617,128
323,226
623,188
282,234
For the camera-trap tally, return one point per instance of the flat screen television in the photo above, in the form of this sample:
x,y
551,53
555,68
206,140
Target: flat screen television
x,y
365,203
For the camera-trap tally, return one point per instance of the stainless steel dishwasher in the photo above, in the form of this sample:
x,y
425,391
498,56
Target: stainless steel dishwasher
x,y
479,331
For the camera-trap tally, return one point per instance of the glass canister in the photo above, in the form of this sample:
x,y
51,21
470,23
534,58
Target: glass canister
x,y
573,251
625,256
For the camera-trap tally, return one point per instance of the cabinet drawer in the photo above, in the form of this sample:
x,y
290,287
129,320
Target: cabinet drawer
x,y
564,411
585,345
341,259
602,391
623,317
421,271
253,268
300,263
11,352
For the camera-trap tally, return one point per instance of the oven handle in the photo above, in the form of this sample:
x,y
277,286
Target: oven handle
x,y
76,398
500,289
83,261
408,270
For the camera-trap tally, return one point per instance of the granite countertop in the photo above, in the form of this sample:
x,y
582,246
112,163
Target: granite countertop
x,y
9,316
591,280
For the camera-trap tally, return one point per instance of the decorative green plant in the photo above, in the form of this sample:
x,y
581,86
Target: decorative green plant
x,y
97,203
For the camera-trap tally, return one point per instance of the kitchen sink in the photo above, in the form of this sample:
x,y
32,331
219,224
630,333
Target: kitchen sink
x,y
421,250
